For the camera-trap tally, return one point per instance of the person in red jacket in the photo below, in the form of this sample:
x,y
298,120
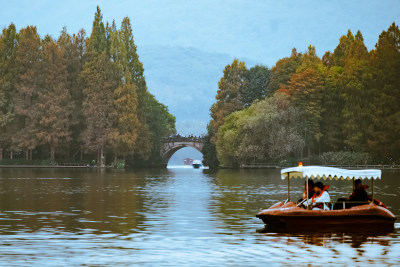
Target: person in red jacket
x,y
310,192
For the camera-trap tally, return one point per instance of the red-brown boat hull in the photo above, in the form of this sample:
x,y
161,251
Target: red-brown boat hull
x,y
292,218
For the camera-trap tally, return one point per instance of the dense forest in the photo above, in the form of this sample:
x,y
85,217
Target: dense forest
x,y
78,98
343,108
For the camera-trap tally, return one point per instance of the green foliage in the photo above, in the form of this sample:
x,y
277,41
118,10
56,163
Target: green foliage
x,y
209,150
267,130
348,100
257,85
120,164
230,87
345,158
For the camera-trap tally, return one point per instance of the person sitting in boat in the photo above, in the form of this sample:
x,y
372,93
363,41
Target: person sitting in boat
x,y
359,194
358,197
320,197
310,191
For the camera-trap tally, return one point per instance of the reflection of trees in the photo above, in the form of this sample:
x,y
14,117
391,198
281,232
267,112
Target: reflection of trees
x,y
355,240
94,200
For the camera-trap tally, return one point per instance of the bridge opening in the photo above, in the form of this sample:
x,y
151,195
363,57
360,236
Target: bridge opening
x,y
184,157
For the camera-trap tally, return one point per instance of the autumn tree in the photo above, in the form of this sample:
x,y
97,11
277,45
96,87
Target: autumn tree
x,y
28,67
283,70
74,50
305,90
99,85
124,132
53,104
8,46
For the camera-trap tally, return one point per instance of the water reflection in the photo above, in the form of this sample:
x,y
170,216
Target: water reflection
x,y
173,217
354,239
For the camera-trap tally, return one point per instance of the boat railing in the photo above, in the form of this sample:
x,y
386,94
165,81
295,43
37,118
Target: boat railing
x,y
345,204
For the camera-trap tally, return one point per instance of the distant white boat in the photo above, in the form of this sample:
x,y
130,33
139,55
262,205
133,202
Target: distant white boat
x,y
196,164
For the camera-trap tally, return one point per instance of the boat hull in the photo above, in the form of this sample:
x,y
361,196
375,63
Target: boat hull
x,y
292,218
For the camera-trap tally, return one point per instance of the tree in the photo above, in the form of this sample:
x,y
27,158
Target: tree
x,y
283,70
305,90
230,135
74,48
385,64
228,97
124,133
209,150
99,85
267,130
331,112
134,65
258,78
54,105
8,47
160,124
27,60
350,47
97,43
271,132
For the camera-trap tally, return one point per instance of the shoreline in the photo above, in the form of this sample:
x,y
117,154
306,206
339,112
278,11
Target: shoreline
x,y
41,166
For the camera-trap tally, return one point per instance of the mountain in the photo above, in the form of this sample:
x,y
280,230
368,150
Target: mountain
x,y
185,80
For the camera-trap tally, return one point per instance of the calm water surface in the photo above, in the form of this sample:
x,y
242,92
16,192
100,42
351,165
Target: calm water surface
x,y
172,217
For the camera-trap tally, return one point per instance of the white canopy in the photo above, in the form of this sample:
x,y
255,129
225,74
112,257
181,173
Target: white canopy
x,y
317,172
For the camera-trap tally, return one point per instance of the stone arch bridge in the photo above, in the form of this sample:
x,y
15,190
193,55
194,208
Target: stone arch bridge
x,y
174,143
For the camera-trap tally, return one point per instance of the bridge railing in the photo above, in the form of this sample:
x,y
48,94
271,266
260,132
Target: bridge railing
x,y
179,138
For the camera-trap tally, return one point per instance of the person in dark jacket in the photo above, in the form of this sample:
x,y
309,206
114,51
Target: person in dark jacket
x,y
359,195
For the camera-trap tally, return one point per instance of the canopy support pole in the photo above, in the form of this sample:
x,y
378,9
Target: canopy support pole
x,y
372,189
288,187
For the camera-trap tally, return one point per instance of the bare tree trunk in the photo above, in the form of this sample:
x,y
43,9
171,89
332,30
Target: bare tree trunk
x,y
27,154
52,152
68,152
1,154
30,154
11,153
98,159
115,160
101,157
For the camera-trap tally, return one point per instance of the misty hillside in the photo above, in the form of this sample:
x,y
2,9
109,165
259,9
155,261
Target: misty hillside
x,y
186,80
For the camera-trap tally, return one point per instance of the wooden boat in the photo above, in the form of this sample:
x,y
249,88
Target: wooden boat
x,y
289,216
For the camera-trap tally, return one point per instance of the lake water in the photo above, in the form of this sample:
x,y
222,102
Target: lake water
x,y
172,217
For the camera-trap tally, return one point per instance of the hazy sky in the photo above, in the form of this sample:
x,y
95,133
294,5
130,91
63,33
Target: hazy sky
x,y
261,30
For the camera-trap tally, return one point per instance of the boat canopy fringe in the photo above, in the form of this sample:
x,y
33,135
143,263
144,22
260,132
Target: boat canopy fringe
x,y
317,172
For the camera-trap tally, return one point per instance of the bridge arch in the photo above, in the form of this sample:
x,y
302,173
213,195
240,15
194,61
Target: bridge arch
x,y
171,145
